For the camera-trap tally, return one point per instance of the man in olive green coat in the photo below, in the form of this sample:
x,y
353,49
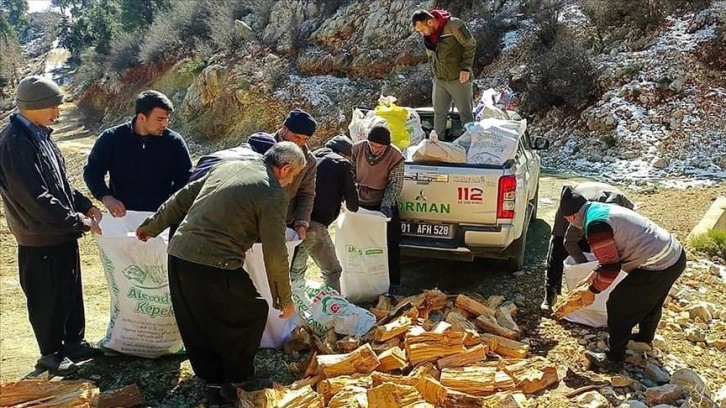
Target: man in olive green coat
x,y
450,47
220,314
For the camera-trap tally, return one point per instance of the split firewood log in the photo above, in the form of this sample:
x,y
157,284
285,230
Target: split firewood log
x,y
471,356
505,319
489,324
532,375
429,346
425,370
303,397
347,344
504,346
392,359
473,307
476,380
495,301
388,344
361,360
391,395
472,338
392,329
429,388
331,386
458,321
350,397
66,393
568,304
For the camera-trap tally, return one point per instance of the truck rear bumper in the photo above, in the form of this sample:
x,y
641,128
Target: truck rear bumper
x,y
468,243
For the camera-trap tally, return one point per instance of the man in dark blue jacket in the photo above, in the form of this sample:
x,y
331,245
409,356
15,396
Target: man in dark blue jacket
x,y
47,216
334,183
145,160
255,146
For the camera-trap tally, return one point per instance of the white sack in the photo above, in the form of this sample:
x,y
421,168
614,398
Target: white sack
x,y
596,314
491,141
433,150
277,330
323,309
142,320
361,247
361,123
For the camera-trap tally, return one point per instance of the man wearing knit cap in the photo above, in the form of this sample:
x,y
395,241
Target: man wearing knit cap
x,y
146,162
47,216
334,183
298,128
569,240
379,173
255,146
621,239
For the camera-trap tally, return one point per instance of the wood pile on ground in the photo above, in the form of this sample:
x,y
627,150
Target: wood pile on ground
x,y
66,394
428,350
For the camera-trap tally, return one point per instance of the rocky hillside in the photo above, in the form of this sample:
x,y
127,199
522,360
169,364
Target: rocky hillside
x,y
655,111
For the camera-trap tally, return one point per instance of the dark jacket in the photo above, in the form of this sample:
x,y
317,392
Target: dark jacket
x,y
302,189
206,162
334,182
453,52
41,207
224,214
144,171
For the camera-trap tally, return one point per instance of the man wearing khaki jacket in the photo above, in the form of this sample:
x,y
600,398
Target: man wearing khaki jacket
x,y
450,47
220,314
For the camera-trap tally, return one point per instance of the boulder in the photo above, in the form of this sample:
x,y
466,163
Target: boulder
x,y
664,394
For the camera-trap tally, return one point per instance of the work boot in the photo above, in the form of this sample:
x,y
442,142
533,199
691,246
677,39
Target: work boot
x,y
601,361
221,395
56,364
81,351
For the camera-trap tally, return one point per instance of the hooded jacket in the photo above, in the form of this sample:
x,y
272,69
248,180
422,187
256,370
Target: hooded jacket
x,y
451,48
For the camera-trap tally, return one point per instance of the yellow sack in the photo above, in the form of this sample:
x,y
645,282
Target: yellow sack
x,y
396,116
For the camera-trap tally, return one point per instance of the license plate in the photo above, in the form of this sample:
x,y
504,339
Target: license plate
x,y
420,229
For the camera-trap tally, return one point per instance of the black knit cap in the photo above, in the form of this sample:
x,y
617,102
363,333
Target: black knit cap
x,y
300,122
570,202
380,135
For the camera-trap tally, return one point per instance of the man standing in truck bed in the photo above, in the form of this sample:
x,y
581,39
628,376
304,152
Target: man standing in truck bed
x,y
450,47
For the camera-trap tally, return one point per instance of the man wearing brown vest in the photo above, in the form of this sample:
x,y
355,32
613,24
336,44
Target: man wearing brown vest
x,y
379,173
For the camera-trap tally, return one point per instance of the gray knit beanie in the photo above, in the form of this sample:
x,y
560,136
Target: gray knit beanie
x,y
36,92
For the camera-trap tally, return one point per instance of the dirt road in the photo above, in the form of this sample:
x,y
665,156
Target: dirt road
x,y
169,381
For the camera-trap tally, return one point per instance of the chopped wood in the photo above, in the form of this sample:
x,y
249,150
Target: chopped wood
x,y
471,356
384,303
388,344
512,309
379,313
430,346
361,360
305,382
391,395
303,397
472,338
429,388
478,380
495,301
472,306
505,347
326,345
299,340
347,344
400,310
415,331
392,329
489,324
505,319
568,304
392,359
459,321
331,386
66,393
129,396
425,370
312,367
350,397
532,375
505,400
441,327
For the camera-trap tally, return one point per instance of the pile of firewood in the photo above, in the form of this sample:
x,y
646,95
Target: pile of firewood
x,y
429,350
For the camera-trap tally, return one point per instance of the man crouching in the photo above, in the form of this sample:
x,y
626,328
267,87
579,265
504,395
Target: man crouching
x,y
220,314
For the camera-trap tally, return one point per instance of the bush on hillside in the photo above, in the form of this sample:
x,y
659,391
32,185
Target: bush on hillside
x,y
642,14
125,49
712,243
712,52
488,42
174,32
562,75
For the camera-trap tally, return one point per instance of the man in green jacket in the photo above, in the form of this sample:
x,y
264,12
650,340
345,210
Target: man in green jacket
x,y
220,314
450,47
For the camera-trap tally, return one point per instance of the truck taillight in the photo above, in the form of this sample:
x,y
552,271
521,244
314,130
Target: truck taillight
x,y
507,195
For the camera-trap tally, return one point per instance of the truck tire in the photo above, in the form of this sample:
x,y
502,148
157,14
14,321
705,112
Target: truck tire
x,y
517,250
535,204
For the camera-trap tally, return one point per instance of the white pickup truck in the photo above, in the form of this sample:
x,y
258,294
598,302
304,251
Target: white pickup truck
x,y
465,211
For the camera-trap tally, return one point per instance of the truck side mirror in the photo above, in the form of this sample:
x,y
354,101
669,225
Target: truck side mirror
x,y
540,143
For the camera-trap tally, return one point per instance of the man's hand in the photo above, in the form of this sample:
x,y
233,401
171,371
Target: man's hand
x,y
302,231
142,235
387,211
287,311
586,296
95,215
115,207
464,76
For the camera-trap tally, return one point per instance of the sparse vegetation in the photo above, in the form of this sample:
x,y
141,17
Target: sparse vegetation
x,y
610,140
632,70
712,243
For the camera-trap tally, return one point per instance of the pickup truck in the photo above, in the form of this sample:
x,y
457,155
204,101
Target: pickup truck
x,y
468,211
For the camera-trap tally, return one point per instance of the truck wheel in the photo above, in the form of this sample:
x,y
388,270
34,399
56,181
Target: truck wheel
x,y
535,202
517,250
